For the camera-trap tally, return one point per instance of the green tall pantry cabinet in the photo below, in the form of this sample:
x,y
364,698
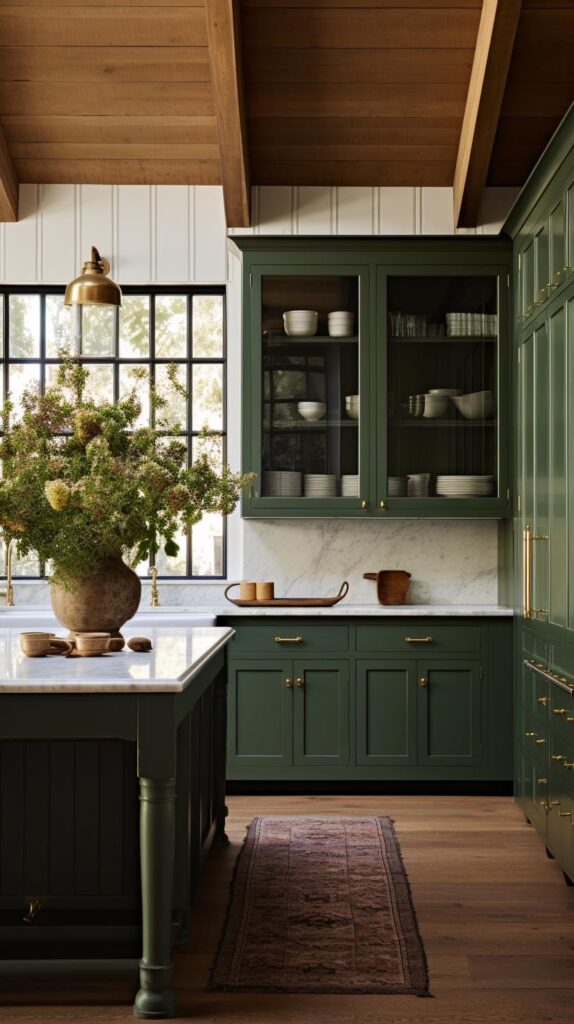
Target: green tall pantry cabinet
x,y
542,227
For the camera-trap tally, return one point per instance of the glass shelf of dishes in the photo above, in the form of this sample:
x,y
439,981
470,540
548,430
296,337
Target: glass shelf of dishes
x,y
310,411
442,373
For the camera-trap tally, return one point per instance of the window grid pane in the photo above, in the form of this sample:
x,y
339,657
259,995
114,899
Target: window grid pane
x,y
154,327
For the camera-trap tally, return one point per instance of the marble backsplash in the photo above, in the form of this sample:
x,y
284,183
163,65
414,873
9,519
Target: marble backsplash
x,y
450,561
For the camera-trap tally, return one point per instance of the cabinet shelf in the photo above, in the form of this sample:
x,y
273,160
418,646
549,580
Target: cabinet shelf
x,y
311,339
450,339
430,424
296,428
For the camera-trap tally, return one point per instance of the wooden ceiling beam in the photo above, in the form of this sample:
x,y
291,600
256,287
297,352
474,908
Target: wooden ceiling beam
x,y
8,183
494,44
223,35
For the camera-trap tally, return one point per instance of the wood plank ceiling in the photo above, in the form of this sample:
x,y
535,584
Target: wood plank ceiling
x,y
337,92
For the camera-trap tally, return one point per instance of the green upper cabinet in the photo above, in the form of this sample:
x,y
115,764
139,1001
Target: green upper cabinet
x,y
375,377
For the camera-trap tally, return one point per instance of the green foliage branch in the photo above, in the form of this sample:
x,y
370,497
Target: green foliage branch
x,y
83,483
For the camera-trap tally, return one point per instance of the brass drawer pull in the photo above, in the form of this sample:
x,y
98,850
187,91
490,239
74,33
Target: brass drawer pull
x,y
539,742
564,814
568,764
288,639
542,782
554,803
557,757
543,701
418,639
558,711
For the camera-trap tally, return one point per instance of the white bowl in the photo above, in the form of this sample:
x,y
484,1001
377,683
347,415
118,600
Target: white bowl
x,y
342,330
450,392
436,406
479,405
311,410
300,322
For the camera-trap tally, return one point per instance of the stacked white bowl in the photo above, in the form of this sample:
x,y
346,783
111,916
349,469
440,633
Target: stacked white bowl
x,y
341,324
397,486
350,485
320,485
352,406
300,323
311,410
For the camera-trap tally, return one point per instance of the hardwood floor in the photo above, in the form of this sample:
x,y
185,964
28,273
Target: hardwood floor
x,y
495,915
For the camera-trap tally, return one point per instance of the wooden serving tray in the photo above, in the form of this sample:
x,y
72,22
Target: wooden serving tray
x,y
290,602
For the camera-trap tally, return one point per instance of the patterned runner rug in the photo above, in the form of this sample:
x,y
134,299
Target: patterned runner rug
x,y
321,904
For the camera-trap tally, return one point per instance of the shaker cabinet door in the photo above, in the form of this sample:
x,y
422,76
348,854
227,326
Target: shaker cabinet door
x,y
321,713
260,714
386,712
450,729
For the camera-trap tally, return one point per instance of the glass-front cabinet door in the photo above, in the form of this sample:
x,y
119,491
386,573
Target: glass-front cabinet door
x,y
309,372
442,383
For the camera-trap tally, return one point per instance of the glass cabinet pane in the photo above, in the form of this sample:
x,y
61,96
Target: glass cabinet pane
x,y
442,387
310,388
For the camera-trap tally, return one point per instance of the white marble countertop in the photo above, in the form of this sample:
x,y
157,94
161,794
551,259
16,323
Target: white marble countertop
x,y
177,656
346,610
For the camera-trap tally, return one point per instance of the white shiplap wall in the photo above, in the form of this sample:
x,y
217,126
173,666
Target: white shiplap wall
x,y
172,234
176,233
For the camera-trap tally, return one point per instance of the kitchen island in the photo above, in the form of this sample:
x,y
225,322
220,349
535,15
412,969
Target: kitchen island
x,y
157,703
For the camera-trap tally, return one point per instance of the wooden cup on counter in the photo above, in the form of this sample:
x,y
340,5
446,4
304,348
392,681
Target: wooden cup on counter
x,y
90,644
38,645
265,591
247,591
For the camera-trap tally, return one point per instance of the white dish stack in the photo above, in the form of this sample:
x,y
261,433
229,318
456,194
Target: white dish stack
x,y
320,485
471,325
397,487
282,484
464,486
300,323
352,406
341,324
350,486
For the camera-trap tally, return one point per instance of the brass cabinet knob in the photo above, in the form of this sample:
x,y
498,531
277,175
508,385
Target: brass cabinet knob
x,y
568,764
557,757
382,506
299,681
288,683
558,711
423,681
364,504
540,742
542,782
543,701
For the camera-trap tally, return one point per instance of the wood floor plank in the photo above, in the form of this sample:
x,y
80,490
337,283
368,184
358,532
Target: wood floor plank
x,y
494,914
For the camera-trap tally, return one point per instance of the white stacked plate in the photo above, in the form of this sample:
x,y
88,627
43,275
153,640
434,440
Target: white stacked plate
x,y
397,487
464,486
282,484
320,485
350,486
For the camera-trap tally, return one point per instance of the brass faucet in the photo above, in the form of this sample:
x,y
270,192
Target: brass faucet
x,y
8,594
154,587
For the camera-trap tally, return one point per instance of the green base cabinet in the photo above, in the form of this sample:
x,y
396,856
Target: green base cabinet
x,y
375,711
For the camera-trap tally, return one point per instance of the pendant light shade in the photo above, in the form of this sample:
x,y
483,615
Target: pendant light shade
x,y
93,287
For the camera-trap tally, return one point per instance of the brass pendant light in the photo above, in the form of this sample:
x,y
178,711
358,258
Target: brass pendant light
x,y
93,287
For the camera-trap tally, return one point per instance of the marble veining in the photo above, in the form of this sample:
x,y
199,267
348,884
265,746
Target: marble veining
x,y
451,561
413,611
178,655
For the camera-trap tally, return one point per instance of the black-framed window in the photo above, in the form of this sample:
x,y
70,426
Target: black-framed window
x,y
154,328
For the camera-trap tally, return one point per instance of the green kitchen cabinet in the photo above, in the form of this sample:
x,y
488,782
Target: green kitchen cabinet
x,y
360,701
321,713
260,718
387,712
288,713
343,421
450,729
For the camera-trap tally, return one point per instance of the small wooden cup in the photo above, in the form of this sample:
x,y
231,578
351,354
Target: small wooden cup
x,y
247,591
38,645
91,644
264,591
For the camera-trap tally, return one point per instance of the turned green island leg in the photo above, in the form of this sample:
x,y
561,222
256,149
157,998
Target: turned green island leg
x,y
156,769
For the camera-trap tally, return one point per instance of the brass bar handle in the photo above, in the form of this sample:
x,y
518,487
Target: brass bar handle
x,y
563,682
558,711
527,572
418,639
288,639
564,814
540,743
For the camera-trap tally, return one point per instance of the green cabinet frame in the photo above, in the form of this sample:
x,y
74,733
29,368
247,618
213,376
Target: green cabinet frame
x,y
372,261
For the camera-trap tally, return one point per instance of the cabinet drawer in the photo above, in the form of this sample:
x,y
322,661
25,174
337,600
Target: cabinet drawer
x,y
425,639
289,638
